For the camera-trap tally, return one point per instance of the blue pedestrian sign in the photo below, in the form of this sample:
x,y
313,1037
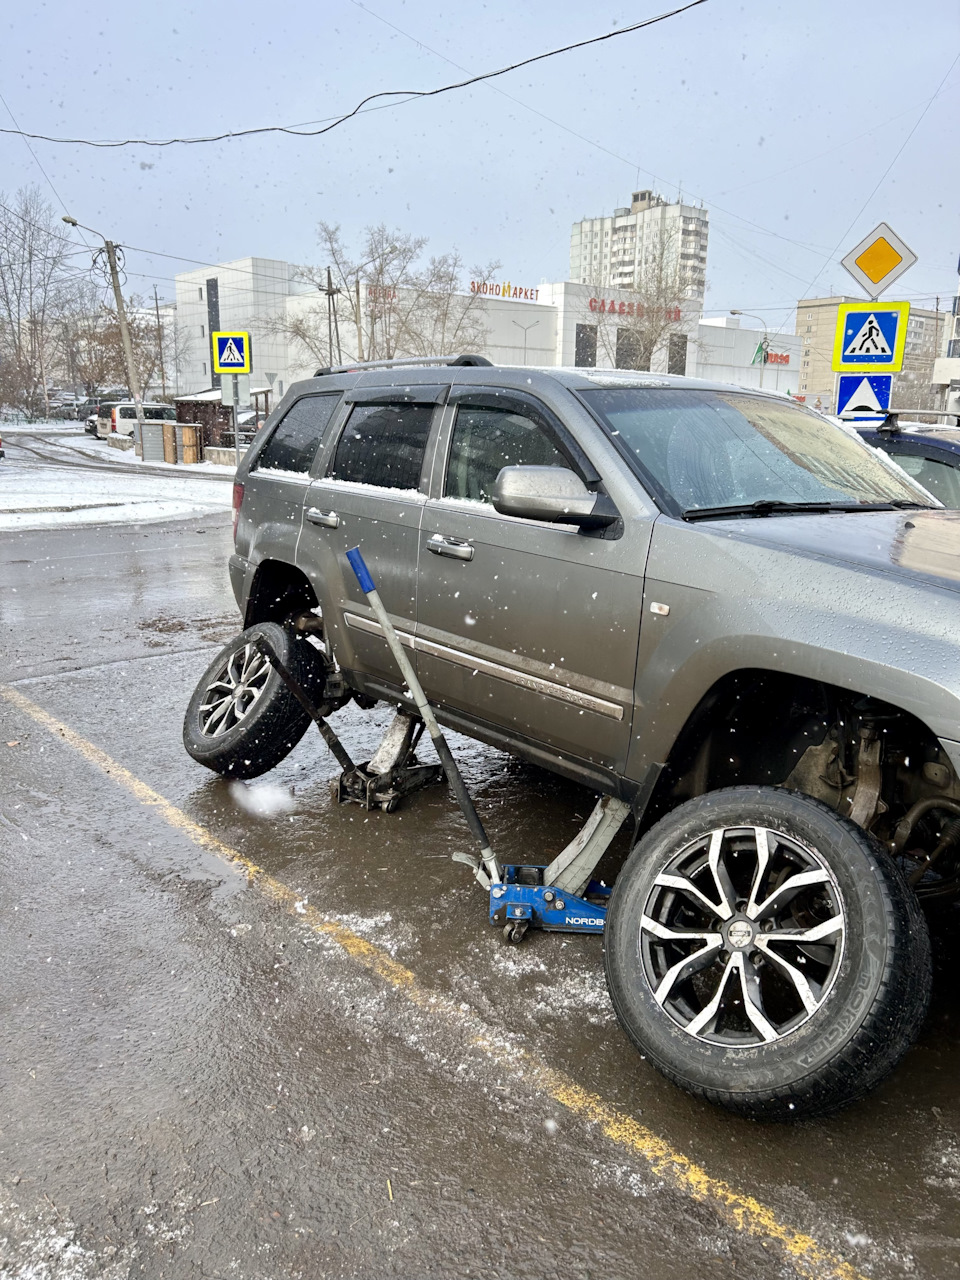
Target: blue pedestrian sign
x,y
864,396
870,337
231,352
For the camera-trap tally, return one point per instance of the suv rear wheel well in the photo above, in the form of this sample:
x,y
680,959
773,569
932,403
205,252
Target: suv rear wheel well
x,y
868,760
278,590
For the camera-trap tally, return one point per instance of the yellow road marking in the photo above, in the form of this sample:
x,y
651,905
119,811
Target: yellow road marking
x,y
675,1169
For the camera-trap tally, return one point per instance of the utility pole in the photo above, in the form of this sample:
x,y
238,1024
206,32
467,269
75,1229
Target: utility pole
x,y
111,251
333,327
359,325
163,376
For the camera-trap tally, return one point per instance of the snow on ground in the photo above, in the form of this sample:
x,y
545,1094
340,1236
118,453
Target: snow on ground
x,y
73,437
43,497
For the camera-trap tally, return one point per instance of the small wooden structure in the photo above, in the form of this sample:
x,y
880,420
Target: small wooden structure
x,y
206,410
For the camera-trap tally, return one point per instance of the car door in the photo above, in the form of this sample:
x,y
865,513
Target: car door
x,y
277,480
370,493
527,626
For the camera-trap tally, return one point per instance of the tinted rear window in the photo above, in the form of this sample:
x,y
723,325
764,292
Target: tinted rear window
x,y
294,442
384,445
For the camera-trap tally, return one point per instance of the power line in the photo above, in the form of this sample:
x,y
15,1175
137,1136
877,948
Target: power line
x,y
592,142
883,176
408,94
36,158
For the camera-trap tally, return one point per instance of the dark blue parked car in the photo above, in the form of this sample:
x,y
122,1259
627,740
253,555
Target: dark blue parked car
x,y
928,452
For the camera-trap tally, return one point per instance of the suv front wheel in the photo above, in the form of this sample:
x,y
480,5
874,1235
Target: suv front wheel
x,y
766,954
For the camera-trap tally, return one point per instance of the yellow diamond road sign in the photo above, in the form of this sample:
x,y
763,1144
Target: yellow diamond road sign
x,y
878,260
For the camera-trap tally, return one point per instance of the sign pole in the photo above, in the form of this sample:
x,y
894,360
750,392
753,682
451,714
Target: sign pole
x,y
236,427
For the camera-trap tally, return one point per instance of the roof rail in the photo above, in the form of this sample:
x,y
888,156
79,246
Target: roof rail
x,y
409,361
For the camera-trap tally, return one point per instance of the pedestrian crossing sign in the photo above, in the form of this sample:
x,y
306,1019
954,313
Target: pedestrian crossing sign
x,y
870,338
231,352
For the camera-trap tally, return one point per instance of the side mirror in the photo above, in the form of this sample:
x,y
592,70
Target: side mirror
x,y
551,493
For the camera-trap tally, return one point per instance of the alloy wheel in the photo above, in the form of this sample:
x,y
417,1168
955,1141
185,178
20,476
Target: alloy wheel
x,y
742,936
233,691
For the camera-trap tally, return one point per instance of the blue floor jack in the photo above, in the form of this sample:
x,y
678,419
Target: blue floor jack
x,y
560,896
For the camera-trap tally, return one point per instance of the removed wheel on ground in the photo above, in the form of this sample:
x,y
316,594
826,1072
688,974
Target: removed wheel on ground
x,y
242,719
766,954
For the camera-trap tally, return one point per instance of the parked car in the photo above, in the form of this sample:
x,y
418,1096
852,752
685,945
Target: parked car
x,y
710,602
122,417
90,422
927,452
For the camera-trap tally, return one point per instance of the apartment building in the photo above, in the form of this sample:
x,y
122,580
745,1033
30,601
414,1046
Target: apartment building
x,y
620,250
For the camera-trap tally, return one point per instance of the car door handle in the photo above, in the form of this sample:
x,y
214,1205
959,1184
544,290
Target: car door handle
x,y
453,547
329,519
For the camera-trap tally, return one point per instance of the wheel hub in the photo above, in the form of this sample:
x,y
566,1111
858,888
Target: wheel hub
x,y
740,934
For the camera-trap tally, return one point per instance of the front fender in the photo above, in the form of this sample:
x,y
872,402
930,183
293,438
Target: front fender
x,y
745,606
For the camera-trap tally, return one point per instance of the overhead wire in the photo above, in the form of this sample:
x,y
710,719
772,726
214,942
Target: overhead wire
x,y
408,94
36,159
880,181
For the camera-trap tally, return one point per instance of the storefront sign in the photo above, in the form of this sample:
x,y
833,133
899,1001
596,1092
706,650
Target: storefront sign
x,y
628,309
506,290
777,357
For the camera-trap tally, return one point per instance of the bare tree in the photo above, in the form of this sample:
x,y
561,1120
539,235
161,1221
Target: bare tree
x,y
632,331
87,351
390,301
35,287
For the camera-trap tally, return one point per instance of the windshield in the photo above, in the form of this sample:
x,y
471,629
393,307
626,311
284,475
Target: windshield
x,y
707,449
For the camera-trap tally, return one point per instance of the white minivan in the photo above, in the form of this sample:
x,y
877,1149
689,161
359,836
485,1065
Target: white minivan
x,y
121,417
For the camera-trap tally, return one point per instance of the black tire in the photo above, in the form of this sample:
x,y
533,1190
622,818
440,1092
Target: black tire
x,y
743,1034
257,721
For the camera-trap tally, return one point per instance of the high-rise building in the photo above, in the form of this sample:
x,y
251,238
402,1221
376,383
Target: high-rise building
x,y
816,325
651,236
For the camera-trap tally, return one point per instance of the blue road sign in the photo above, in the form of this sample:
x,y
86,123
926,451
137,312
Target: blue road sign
x,y
870,337
231,352
862,395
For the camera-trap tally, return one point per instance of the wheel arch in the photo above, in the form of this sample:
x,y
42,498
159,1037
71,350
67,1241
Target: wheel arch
x,y
277,590
756,726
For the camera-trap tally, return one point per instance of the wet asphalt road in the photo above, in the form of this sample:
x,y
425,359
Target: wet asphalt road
x,y
199,1079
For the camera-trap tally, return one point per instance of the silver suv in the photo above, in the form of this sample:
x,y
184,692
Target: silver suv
x,y
713,604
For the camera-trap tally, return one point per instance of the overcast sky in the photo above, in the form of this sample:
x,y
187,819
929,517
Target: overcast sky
x,y
781,118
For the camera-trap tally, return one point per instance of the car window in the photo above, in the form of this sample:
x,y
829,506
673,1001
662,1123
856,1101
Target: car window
x,y
383,445
706,449
155,413
293,444
128,412
485,440
938,478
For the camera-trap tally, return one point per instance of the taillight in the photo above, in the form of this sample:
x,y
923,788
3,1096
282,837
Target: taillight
x,y
113,419
237,504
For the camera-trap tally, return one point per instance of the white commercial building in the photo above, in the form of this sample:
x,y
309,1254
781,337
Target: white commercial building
x,y
244,295
749,357
547,325
649,238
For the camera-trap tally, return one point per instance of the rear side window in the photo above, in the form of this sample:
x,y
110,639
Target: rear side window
x,y
126,412
160,413
485,440
938,478
293,444
384,445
